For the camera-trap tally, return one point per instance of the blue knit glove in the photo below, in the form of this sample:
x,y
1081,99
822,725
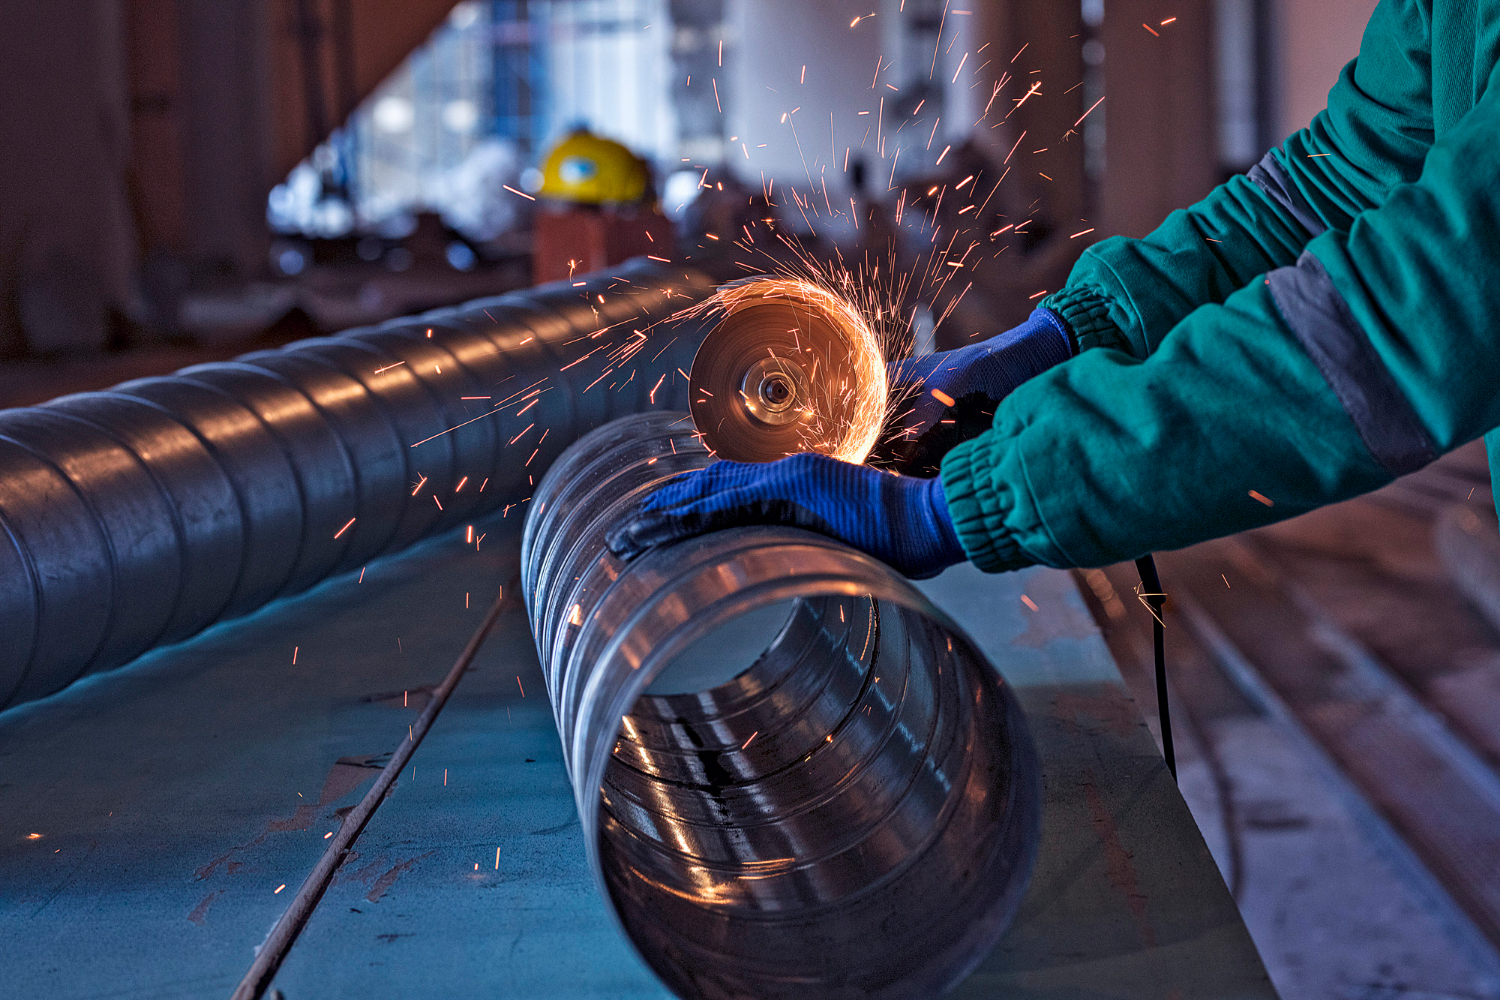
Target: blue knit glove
x,y
899,520
964,386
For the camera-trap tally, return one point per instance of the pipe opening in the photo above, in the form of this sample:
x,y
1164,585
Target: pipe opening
x,y
725,655
828,822
796,777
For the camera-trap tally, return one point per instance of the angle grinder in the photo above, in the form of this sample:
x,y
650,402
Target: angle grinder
x,y
791,366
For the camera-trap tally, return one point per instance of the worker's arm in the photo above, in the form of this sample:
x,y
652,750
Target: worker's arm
x,y
1377,351
1128,294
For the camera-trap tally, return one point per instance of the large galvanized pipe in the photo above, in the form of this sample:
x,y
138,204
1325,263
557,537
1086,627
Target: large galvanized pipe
x,y
140,515
796,777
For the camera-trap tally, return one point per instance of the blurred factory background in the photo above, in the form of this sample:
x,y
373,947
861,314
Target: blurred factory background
x,y
187,179
202,173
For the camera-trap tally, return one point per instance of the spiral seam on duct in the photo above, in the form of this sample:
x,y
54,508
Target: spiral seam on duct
x,y
852,814
142,514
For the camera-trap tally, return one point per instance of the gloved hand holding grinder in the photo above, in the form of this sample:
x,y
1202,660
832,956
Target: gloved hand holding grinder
x,y
902,519
1305,333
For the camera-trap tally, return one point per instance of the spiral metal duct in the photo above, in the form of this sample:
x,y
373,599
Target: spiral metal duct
x,y
796,777
139,515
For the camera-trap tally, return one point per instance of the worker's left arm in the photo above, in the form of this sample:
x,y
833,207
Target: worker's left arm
x,y
1376,352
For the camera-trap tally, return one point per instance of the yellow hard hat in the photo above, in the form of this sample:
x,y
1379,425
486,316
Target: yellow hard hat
x,y
590,170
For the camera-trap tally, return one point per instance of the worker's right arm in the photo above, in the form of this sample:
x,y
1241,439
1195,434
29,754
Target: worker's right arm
x,y
1376,352
1127,294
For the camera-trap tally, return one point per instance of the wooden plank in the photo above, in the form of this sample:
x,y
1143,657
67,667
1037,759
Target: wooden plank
x,y
1423,779
1329,891
1440,950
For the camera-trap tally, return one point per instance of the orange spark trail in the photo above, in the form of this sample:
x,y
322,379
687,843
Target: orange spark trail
x,y
1088,112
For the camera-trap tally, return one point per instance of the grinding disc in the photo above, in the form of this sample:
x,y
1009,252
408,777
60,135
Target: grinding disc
x,y
790,367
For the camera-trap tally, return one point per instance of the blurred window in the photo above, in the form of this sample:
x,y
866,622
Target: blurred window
x,y
476,105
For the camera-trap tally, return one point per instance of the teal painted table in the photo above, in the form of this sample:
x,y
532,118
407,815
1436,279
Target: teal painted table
x,y
149,816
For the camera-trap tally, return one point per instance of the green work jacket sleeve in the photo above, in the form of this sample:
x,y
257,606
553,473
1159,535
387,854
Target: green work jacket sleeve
x,y
1375,352
1375,134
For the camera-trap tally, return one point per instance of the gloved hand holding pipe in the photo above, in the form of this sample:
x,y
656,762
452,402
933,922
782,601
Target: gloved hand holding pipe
x,y
900,519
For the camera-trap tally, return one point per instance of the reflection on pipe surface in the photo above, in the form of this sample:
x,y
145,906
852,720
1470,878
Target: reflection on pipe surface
x,y
140,515
796,777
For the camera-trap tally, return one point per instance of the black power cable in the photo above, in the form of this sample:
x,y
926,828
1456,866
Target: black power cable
x,y
1155,598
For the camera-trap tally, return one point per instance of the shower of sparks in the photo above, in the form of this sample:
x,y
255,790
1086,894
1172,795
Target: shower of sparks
x,y
872,298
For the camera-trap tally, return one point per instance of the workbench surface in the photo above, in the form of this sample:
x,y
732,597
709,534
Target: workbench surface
x,y
149,815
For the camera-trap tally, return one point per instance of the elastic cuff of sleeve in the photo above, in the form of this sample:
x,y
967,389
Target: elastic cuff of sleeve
x,y
1086,312
978,510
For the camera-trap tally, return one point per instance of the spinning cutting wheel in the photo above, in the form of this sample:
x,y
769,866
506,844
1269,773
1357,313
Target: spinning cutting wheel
x,y
790,367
